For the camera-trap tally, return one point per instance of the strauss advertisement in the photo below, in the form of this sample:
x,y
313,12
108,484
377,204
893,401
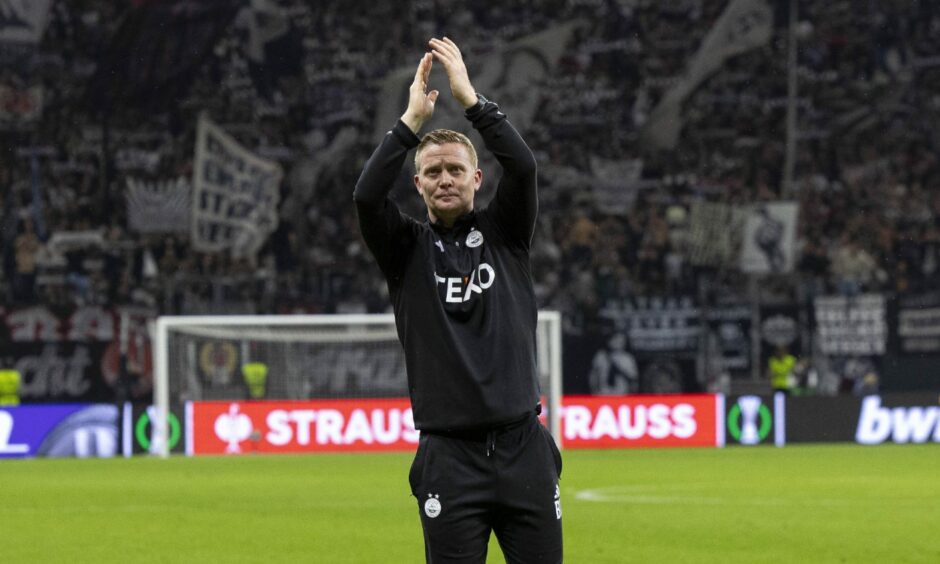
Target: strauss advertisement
x,y
639,421
223,427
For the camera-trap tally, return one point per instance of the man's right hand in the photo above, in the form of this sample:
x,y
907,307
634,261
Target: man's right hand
x,y
420,102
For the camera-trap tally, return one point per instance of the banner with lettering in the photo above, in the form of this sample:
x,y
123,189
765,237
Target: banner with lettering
x,y
75,356
82,430
224,427
729,338
715,233
235,194
851,326
159,206
657,324
918,324
641,421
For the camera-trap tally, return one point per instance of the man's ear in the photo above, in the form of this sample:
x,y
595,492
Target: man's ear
x,y
418,185
477,180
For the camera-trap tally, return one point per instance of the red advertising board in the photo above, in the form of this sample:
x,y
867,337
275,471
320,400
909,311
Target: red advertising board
x,y
356,425
226,427
640,421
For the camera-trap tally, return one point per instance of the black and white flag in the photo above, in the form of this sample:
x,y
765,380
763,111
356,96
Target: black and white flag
x,y
235,194
769,244
159,207
23,21
744,25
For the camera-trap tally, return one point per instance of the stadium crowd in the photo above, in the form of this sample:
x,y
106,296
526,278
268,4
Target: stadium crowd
x,y
616,214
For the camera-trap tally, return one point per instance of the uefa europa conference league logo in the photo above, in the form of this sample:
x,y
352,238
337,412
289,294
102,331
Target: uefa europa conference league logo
x,y
749,420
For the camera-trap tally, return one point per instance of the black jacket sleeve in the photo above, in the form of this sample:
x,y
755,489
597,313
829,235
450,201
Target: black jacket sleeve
x,y
384,228
515,205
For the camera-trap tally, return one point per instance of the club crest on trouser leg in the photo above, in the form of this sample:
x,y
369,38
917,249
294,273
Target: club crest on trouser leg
x,y
432,507
557,502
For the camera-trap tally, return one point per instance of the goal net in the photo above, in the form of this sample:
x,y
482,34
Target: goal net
x,y
301,357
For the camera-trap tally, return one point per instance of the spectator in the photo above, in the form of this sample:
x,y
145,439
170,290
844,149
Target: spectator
x,y
27,247
780,370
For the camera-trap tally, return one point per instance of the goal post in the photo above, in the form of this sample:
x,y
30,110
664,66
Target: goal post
x,y
300,357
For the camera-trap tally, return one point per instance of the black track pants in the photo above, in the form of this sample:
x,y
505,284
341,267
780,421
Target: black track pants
x,y
504,481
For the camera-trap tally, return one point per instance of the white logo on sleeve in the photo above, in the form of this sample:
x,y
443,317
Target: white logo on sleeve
x,y
557,502
474,239
432,507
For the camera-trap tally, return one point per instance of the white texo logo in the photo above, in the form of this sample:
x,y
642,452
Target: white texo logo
x,y
455,290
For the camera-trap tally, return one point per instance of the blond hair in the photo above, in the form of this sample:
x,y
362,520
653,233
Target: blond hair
x,y
441,137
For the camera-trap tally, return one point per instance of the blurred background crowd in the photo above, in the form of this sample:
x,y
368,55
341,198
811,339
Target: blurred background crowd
x,y
89,108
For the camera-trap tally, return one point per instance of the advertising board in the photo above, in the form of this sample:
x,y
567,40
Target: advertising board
x,y
755,420
226,427
641,421
870,420
82,430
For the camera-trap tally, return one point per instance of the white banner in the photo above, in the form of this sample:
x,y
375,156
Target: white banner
x,y
769,244
854,326
235,194
744,25
655,324
159,207
264,21
131,158
23,21
715,232
617,183
510,76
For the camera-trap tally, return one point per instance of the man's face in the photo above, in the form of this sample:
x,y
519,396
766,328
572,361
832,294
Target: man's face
x,y
448,181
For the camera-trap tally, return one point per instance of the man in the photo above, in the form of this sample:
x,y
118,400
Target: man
x,y
780,368
466,316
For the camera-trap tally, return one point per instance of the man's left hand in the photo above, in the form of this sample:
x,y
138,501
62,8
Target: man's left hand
x,y
448,54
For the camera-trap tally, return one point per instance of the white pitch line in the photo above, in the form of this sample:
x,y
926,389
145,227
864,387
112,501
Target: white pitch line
x,y
669,496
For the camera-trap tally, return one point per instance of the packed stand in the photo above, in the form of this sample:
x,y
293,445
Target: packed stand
x,y
866,170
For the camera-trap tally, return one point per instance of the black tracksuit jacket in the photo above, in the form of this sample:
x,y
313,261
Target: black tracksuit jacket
x,y
464,305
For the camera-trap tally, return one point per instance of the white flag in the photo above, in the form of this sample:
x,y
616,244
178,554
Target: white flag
x,y
235,194
715,234
744,25
159,207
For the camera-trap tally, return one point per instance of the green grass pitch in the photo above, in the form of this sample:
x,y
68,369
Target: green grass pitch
x,y
795,504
